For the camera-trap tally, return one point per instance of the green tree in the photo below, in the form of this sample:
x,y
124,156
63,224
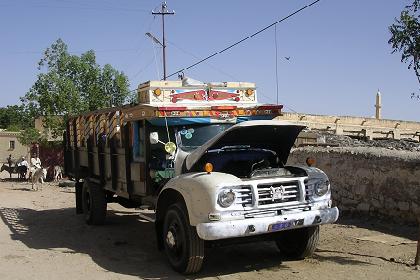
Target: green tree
x,y
69,84
14,118
29,136
405,36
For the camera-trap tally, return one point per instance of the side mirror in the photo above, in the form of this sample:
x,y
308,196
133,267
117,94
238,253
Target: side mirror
x,y
154,138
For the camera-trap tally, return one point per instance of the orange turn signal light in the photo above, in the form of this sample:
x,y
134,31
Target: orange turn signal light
x,y
208,167
310,161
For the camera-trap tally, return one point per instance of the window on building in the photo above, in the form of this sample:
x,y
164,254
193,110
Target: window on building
x,y
12,145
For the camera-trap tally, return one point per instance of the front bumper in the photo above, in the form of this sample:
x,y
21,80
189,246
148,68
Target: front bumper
x,y
255,226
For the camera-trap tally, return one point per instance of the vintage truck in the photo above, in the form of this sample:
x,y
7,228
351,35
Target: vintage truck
x,y
212,163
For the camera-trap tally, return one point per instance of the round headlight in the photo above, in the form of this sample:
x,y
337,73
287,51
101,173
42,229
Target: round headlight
x,y
226,198
322,188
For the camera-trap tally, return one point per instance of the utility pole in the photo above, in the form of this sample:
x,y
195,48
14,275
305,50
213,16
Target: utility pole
x,y
163,11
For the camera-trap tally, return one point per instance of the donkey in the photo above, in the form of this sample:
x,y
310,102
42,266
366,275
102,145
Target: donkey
x,y
58,173
40,174
20,170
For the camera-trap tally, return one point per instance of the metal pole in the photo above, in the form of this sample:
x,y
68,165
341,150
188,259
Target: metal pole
x,y
163,11
163,45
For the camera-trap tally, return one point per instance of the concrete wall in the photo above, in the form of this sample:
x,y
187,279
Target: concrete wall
x,y
377,182
39,125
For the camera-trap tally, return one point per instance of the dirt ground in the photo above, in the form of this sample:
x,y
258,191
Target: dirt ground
x,y
41,237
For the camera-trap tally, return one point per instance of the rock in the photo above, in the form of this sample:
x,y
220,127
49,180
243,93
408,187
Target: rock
x,y
66,183
347,201
363,207
403,206
376,203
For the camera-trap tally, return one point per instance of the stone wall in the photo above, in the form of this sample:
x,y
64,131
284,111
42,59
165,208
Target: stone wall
x,y
357,126
376,181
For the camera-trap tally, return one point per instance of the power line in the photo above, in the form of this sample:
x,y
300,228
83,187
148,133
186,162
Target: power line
x,y
73,52
144,68
244,39
76,7
291,109
196,57
277,70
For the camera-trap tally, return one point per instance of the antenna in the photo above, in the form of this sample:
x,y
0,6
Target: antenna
x,y
163,11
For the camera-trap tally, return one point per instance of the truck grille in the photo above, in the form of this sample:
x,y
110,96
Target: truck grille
x,y
244,196
309,191
278,193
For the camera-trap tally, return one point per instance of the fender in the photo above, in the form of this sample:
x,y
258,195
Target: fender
x,y
199,191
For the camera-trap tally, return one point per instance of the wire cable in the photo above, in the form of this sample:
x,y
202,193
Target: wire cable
x,y
196,57
277,71
244,39
156,62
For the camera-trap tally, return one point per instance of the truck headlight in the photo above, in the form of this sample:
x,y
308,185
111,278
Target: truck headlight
x,y
321,187
226,198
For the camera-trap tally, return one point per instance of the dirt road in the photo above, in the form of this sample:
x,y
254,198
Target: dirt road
x,y
42,238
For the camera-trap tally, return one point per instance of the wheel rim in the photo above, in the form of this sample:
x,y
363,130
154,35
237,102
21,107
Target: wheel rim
x,y
175,241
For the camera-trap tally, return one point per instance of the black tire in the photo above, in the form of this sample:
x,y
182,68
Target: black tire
x,y
298,243
94,203
78,190
183,247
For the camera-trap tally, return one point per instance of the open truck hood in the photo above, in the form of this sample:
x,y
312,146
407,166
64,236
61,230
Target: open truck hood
x,y
274,135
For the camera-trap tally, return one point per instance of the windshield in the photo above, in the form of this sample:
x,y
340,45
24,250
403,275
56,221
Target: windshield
x,y
191,137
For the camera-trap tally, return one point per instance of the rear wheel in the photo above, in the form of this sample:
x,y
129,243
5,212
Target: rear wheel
x,y
183,247
94,203
298,243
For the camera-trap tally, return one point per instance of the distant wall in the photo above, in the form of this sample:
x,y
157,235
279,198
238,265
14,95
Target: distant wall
x,y
370,128
377,182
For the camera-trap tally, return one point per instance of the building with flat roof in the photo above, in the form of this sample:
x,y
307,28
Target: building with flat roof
x,y
10,145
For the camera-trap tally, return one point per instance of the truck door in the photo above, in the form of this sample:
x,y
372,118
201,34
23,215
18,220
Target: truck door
x,y
138,157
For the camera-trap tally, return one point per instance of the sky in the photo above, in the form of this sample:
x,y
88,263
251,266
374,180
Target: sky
x,y
338,49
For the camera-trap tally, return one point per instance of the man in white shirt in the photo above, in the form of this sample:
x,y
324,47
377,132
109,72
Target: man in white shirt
x,y
23,162
35,164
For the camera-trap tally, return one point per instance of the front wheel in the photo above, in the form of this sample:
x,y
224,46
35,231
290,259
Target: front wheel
x,y
298,243
94,203
183,247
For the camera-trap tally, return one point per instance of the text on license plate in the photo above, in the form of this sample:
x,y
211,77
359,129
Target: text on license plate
x,y
281,225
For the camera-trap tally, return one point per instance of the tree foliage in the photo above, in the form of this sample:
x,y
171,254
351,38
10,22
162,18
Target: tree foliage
x,y
69,84
405,36
14,118
29,136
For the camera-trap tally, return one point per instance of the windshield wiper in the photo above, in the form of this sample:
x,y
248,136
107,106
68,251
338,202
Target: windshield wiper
x,y
236,147
231,148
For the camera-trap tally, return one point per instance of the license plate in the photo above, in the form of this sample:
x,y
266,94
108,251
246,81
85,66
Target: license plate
x,y
281,225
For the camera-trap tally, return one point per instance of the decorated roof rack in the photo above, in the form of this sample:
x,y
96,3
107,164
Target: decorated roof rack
x,y
191,92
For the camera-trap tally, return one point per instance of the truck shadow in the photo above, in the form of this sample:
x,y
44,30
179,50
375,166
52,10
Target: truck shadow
x,y
127,244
